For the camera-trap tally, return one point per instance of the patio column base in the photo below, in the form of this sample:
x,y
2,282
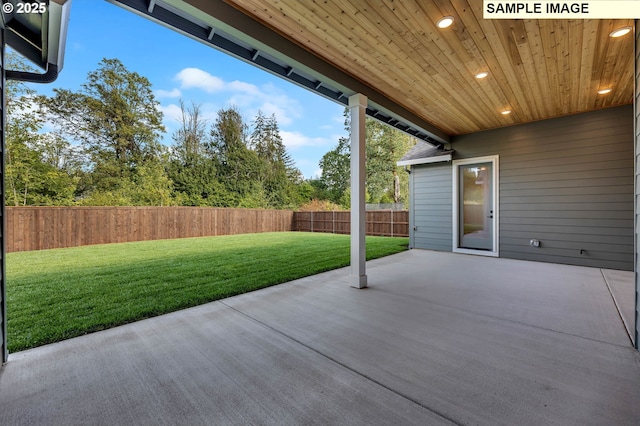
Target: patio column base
x,y
358,281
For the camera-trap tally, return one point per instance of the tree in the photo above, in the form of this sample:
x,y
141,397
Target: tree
x,y
384,147
239,168
336,170
336,166
194,174
31,177
279,177
59,153
116,118
189,140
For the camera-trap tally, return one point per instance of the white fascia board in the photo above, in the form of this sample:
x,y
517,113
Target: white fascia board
x,y
436,159
59,12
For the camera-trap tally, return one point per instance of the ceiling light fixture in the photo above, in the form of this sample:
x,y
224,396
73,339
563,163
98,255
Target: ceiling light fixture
x,y
604,91
620,32
506,112
445,22
482,74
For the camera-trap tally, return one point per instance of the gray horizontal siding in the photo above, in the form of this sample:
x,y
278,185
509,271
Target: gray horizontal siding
x,y
597,178
568,258
568,182
431,204
592,223
569,192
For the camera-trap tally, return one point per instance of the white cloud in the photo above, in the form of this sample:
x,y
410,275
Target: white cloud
x,y
293,140
248,97
175,93
269,108
172,113
241,86
196,78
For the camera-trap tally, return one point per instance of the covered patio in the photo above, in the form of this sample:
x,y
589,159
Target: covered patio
x,y
436,338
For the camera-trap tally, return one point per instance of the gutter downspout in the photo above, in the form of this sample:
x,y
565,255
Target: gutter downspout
x,y
31,77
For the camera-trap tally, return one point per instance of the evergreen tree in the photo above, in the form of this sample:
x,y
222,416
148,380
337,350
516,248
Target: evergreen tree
x,y
239,168
279,177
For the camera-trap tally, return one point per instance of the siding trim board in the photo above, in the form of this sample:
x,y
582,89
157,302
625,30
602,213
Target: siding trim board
x,y
568,182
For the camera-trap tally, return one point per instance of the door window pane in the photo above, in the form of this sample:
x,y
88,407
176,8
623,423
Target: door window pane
x,y
476,211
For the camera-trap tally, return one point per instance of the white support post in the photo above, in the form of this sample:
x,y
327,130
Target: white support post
x,y
357,109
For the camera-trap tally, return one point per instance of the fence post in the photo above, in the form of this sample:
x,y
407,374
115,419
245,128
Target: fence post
x,y
311,221
333,221
392,223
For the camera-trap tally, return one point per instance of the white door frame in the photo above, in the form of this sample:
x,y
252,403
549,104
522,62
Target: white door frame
x,y
494,159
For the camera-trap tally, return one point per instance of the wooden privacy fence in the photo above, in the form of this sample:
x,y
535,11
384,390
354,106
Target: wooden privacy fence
x,y
383,223
39,228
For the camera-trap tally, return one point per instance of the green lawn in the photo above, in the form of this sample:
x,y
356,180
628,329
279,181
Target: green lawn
x,y
57,294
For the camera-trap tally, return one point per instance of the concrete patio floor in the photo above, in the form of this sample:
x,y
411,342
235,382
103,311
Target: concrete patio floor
x,y
437,338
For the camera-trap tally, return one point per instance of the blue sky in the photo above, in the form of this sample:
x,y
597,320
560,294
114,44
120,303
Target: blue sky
x,y
181,68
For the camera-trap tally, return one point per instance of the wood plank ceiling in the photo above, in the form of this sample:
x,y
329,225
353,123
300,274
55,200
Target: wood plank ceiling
x,y
538,69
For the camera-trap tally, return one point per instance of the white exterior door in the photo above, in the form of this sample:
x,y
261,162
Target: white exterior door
x,y
475,213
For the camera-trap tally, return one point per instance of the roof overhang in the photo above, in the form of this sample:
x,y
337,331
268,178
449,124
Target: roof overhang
x,y
437,159
422,153
219,25
39,35
419,78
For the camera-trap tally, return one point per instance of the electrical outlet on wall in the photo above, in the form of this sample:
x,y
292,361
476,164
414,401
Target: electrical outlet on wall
x,y
534,243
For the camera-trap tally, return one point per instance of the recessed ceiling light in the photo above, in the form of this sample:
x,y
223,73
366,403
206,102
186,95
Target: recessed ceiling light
x,y
620,32
506,112
604,91
445,22
482,74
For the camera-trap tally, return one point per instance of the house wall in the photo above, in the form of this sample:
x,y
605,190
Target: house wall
x,y
567,182
431,198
